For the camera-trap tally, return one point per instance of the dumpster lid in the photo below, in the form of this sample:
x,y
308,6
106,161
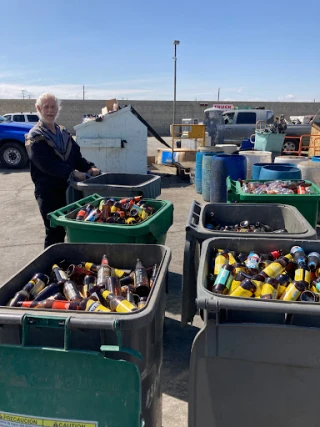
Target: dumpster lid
x,y
57,387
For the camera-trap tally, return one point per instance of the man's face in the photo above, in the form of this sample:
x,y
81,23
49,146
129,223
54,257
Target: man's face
x,y
48,110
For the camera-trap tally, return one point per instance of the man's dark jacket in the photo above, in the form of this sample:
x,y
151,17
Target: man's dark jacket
x,y
50,168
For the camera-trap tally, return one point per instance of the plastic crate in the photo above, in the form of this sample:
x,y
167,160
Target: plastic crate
x,y
152,230
307,204
277,216
267,141
120,185
54,351
250,349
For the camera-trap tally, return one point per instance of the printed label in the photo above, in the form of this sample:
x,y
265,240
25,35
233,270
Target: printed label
x,y
267,289
240,292
281,290
273,269
252,261
124,307
301,274
219,262
234,285
222,277
291,293
17,420
96,306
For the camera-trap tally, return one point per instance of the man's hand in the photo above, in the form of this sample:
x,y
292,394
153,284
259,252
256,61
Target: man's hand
x,y
94,171
81,176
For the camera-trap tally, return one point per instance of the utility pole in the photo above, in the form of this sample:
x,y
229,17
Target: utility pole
x,y
218,94
176,42
83,92
23,92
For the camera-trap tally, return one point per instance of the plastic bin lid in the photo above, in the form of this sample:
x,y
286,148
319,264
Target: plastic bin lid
x,y
64,388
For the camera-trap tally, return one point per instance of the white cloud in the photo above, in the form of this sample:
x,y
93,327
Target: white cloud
x,y
288,97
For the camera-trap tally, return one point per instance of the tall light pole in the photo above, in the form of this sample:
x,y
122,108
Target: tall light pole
x,y
176,42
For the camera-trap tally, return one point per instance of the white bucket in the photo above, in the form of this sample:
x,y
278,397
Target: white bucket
x,y
310,171
256,157
290,159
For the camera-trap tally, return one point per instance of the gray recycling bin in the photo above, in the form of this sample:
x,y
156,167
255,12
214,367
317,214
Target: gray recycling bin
x,y
254,362
277,216
117,185
136,338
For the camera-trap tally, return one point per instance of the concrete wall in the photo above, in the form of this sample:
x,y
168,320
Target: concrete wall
x,y
157,113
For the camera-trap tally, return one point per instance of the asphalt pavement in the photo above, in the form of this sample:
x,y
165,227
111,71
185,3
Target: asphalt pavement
x,y
22,235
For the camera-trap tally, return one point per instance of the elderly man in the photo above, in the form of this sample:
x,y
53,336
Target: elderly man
x,y
54,155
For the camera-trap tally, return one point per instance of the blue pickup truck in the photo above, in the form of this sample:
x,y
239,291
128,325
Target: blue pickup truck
x,y
13,153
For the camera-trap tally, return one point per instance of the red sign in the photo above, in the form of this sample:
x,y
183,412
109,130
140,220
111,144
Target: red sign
x,y
223,106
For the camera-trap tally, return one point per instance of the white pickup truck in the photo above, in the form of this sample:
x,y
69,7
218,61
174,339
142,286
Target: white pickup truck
x,y
241,124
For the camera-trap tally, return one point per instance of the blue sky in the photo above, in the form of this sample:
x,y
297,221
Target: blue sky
x,y
252,50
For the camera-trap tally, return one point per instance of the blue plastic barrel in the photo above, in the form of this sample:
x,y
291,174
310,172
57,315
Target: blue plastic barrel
x,y
236,166
206,175
275,171
315,158
199,158
256,168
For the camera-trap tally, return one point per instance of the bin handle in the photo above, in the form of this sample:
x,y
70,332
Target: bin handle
x,y
67,324
66,209
231,184
194,215
231,303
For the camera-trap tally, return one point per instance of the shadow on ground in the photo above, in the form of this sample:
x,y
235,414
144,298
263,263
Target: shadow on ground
x,y
176,358
173,300
170,181
7,171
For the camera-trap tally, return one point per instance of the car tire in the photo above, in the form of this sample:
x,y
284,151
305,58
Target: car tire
x,y
13,155
290,145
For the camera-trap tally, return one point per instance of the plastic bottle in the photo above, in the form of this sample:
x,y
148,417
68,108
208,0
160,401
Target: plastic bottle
x,y
313,261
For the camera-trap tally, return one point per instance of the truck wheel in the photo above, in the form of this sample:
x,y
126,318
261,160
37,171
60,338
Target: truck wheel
x,y
13,155
290,145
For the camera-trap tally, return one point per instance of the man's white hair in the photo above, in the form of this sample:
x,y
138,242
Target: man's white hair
x,y
45,96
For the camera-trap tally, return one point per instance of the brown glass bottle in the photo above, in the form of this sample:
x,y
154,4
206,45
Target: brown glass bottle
x,y
245,290
104,271
284,280
141,281
269,289
113,285
153,275
224,279
60,275
293,291
89,282
117,303
71,291
91,267
276,267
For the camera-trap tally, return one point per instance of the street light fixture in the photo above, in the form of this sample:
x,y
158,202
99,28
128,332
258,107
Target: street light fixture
x,y
176,42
